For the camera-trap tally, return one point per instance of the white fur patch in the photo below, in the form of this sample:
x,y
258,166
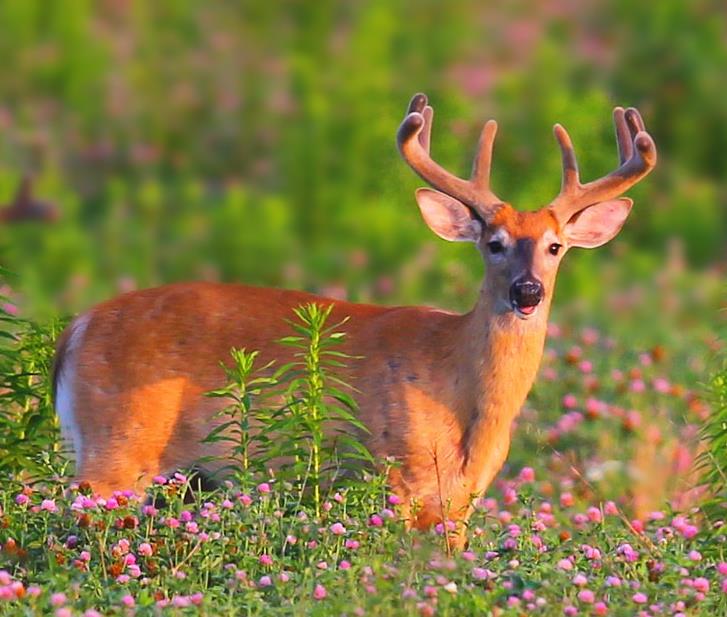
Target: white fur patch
x,y
65,387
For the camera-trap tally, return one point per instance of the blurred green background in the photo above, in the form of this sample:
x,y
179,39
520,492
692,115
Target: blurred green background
x,y
254,142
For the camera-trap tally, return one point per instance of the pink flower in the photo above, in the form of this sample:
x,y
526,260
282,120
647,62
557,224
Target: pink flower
x,y
159,480
600,608
245,500
640,598
394,500
319,593
196,598
145,549
265,560
58,599
49,505
265,581
482,574
580,580
570,611
566,500
352,545
565,564
22,499
509,496
722,568
376,521
570,401
586,596
701,584
527,474
610,508
128,601
695,555
594,514
344,565
263,488
337,529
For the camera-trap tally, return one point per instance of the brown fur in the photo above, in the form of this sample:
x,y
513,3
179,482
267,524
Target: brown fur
x,y
437,390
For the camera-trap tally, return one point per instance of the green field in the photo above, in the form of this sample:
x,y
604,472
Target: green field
x,y
256,143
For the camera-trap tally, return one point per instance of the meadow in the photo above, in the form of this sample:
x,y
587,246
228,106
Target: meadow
x,y
255,143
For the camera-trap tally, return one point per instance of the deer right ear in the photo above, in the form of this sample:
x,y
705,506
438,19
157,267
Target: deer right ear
x,y
448,217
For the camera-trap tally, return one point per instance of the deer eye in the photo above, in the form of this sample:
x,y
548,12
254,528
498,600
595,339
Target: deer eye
x,y
554,248
495,247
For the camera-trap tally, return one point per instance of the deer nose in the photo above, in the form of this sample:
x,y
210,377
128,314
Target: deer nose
x,y
526,293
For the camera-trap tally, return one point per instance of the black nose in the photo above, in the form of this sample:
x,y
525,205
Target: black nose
x,y
526,292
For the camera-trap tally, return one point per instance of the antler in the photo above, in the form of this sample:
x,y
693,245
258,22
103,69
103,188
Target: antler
x,y
637,157
413,139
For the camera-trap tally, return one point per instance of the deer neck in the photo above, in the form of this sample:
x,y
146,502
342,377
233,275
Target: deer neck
x,y
503,353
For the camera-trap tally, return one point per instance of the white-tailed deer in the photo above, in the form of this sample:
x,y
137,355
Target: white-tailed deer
x,y
438,390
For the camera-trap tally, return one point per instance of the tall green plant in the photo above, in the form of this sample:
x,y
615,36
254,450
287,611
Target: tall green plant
x,y
298,418
29,435
713,460
248,392
318,402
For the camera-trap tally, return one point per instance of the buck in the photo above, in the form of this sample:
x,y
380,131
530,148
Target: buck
x,y
437,390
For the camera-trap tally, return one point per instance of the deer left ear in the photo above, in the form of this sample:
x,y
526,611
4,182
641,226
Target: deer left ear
x,y
597,224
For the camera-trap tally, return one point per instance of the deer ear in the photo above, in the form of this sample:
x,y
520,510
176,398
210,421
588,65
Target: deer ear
x,y
447,217
597,224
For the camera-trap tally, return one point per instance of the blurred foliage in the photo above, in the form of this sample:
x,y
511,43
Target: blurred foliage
x,y
255,141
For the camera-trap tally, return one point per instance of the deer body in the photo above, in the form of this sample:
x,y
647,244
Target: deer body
x,y
438,391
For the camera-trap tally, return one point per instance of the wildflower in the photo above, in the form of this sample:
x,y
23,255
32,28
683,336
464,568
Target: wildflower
x,y
128,601
527,474
337,529
64,612
570,611
22,499
263,488
565,564
594,514
376,521
394,500
145,549
265,560
695,555
227,504
701,584
58,599
451,587
570,401
344,565
566,500
49,505
352,545
265,581
322,565
319,593
509,496
610,508
600,608
149,510
613,581
586,596
640,598
159,480
283,577
580,580
245,500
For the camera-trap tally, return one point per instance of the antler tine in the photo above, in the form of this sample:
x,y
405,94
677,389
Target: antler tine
x,y
483,160
637,157
413,139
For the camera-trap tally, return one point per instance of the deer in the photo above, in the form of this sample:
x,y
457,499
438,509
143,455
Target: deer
x,y
438,391
25,207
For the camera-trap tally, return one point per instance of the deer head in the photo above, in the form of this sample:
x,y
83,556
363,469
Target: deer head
x,y
523,250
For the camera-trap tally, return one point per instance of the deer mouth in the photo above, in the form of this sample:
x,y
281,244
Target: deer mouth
x,y
524,312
